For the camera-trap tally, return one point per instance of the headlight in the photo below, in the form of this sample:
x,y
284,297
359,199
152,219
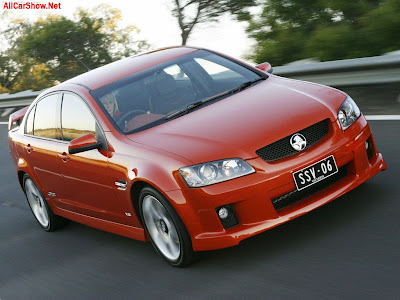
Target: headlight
x,y
348,113
215,171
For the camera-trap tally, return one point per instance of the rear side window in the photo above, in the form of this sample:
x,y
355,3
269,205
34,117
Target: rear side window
x,y
46,121
76,118
29,121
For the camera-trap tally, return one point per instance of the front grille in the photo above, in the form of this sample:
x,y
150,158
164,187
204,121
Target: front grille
x,y
295,196
282,148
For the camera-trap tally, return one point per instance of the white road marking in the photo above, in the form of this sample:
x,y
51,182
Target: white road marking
x,y
383,117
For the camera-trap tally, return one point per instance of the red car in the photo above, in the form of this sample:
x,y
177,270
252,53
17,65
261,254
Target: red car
x,y
190,149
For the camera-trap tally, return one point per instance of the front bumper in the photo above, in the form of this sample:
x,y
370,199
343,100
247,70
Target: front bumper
x,y
251,196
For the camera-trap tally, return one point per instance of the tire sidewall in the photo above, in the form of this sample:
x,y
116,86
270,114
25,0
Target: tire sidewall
x,y
186,250
48,209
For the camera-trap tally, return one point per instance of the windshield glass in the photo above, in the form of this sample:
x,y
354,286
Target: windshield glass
x,y
144,99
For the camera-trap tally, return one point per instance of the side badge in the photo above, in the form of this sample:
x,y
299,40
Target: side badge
x,y
121,185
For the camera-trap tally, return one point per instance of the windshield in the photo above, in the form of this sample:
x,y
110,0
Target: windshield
x,y
148,98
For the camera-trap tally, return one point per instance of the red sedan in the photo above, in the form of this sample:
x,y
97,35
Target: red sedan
x,y
190,149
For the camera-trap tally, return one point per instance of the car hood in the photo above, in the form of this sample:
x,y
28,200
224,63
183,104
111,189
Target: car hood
x,y
240,124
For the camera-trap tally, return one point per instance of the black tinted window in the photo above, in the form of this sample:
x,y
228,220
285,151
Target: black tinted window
x,y
46,120
76,118
29,121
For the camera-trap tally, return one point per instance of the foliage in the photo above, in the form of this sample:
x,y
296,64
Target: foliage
x,y
382,27
289,30
286,43
8,72
54,48
35,76
189,13
339,41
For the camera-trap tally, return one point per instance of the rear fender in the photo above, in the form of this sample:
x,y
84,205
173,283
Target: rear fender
x,y
22,166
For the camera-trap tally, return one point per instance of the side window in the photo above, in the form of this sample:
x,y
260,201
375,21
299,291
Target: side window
x,y
46,121
76,118
29,121
181,79
217,71
176,72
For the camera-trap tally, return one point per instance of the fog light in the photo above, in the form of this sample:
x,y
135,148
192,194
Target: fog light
x,y
223,213
366,145
227,216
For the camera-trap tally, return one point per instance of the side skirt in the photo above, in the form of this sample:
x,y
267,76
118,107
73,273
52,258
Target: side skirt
x,y
120,229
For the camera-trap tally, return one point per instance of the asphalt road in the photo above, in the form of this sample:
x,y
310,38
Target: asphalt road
x,y
349,249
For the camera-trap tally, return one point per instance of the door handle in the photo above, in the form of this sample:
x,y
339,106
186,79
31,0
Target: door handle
x,y
64,157
28,148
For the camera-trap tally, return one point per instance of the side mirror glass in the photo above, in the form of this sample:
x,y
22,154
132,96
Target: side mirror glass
x,y
266,67
83,143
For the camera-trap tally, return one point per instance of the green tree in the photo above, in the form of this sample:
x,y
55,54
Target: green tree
x,y
34,76
350,12
283,26
285,46
55,48
10,69
381,27
189,13
339,41
8,72
289,30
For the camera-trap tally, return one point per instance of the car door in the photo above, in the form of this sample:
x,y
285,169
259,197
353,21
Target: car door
x,y
42,142
86,176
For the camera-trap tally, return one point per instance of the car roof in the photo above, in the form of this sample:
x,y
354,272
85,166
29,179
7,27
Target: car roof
x,y
104,75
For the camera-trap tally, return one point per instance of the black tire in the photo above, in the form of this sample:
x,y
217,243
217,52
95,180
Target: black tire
x,y
42,212
164,226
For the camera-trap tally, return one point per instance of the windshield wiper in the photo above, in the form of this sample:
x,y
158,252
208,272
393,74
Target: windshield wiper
x,y
247,84
199,103
196,104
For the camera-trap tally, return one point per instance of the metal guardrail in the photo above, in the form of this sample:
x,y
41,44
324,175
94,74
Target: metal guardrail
x,y
20,99
348,72
383,69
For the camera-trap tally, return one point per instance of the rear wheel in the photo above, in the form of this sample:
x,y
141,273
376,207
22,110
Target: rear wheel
x,y
39,207
164,227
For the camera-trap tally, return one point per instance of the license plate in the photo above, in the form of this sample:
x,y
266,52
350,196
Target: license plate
x,y
315,173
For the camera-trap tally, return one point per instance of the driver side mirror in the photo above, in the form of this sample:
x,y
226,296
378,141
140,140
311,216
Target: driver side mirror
x,y
83,143
266,67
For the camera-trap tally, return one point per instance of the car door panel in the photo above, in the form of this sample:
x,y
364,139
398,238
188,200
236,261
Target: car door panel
x,y
41,144
42,157
86,180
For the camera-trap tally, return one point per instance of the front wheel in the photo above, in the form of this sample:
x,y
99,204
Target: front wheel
x,y
166,230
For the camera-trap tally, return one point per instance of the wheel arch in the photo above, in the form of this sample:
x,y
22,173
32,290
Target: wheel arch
x,y
183,209
21,172
141,183
136,187
21,178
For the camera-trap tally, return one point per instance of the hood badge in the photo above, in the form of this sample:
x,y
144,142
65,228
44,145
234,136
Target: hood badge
x,y
298,142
